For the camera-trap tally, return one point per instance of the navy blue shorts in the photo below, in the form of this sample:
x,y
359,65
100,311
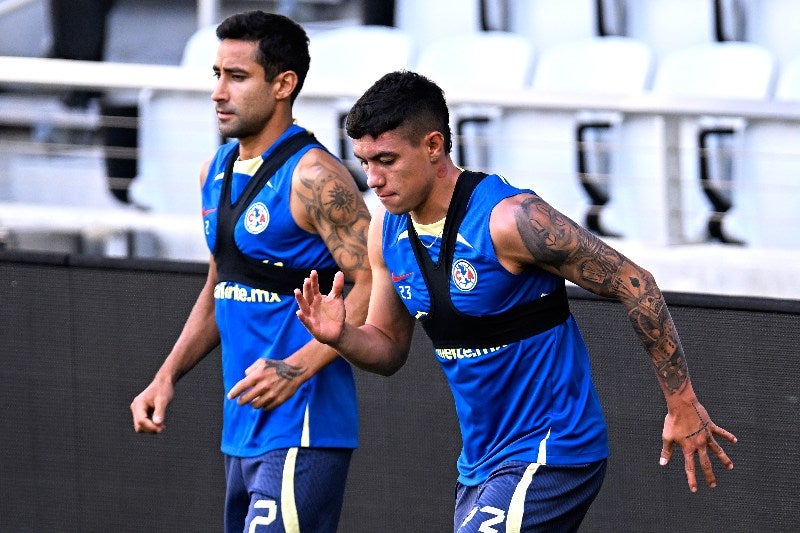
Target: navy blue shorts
x,y
286,491
529,497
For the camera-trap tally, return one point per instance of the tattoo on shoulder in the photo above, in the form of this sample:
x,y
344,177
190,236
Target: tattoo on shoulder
x,y
339,214
554,239
284,370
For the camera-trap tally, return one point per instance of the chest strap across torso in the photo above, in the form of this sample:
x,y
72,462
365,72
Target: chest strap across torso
x,y
449,328
232,264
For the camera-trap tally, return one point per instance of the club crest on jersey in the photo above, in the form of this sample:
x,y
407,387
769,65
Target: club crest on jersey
x,y
464,275
256,218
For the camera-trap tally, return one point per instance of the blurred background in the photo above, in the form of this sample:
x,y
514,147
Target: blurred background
x,y
671,128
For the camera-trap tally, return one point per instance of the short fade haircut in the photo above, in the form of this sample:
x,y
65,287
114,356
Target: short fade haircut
x,y
282,43
401,100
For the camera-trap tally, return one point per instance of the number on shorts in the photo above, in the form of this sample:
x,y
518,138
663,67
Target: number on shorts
x,y
272,514
499,516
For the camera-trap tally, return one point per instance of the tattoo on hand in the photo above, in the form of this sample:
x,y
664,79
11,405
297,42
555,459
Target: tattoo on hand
x,y
284,370
703,427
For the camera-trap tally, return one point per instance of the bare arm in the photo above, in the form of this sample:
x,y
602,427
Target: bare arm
x,y
198,337
325,201
382,344
540,235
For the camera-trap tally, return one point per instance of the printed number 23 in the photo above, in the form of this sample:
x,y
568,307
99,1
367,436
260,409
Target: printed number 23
x,y
272,513
405,291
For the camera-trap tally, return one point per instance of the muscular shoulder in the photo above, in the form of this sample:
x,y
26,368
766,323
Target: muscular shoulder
x,y
323,187
504,228
317,166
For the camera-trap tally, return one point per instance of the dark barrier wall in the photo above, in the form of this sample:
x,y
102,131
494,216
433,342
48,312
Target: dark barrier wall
x,y
79,339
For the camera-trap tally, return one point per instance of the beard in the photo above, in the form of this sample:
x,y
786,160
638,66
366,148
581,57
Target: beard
x,y
240,129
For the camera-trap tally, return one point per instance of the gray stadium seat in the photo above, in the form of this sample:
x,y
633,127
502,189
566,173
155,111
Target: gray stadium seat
x,y
427,21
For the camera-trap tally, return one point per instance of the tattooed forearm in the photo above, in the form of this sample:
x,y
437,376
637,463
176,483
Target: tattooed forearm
x,y
653,324
673,371
555,241
284,370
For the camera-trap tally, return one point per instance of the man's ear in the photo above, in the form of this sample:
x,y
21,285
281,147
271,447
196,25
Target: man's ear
x,y
284,84
434,143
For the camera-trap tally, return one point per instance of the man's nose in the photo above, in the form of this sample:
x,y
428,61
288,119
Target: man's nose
x,y
218,93
374,177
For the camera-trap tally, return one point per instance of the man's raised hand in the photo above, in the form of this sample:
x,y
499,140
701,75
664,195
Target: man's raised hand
x,y
323,316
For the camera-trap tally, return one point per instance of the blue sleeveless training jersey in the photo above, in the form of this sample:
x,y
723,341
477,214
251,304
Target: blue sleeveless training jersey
x,y
255,323
531,400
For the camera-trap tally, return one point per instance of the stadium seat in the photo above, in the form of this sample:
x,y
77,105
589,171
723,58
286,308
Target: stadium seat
x,y
177,133
485,61
711,146
773,24
201,48
427,21
771,173
546,23
571,158
669,25
788,86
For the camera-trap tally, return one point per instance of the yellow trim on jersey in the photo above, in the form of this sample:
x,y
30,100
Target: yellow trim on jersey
x,y
305,436
434,229
247,166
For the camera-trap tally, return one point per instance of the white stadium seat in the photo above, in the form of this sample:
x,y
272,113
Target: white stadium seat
x,y
539,148
718,70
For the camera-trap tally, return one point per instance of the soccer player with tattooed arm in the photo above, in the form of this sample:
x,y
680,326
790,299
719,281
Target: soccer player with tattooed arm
x,y
482,265
276,204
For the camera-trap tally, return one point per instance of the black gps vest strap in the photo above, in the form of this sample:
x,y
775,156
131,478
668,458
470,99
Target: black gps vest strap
x,y
449,328
232,264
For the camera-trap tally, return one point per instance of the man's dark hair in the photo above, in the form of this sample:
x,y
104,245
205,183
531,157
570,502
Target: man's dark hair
x,y
282,43
401,99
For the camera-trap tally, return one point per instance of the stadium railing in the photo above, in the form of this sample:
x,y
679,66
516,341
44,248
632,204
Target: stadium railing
x,y
667,248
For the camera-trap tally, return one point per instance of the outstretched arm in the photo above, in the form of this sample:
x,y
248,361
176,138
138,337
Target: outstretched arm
x,y
543,236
